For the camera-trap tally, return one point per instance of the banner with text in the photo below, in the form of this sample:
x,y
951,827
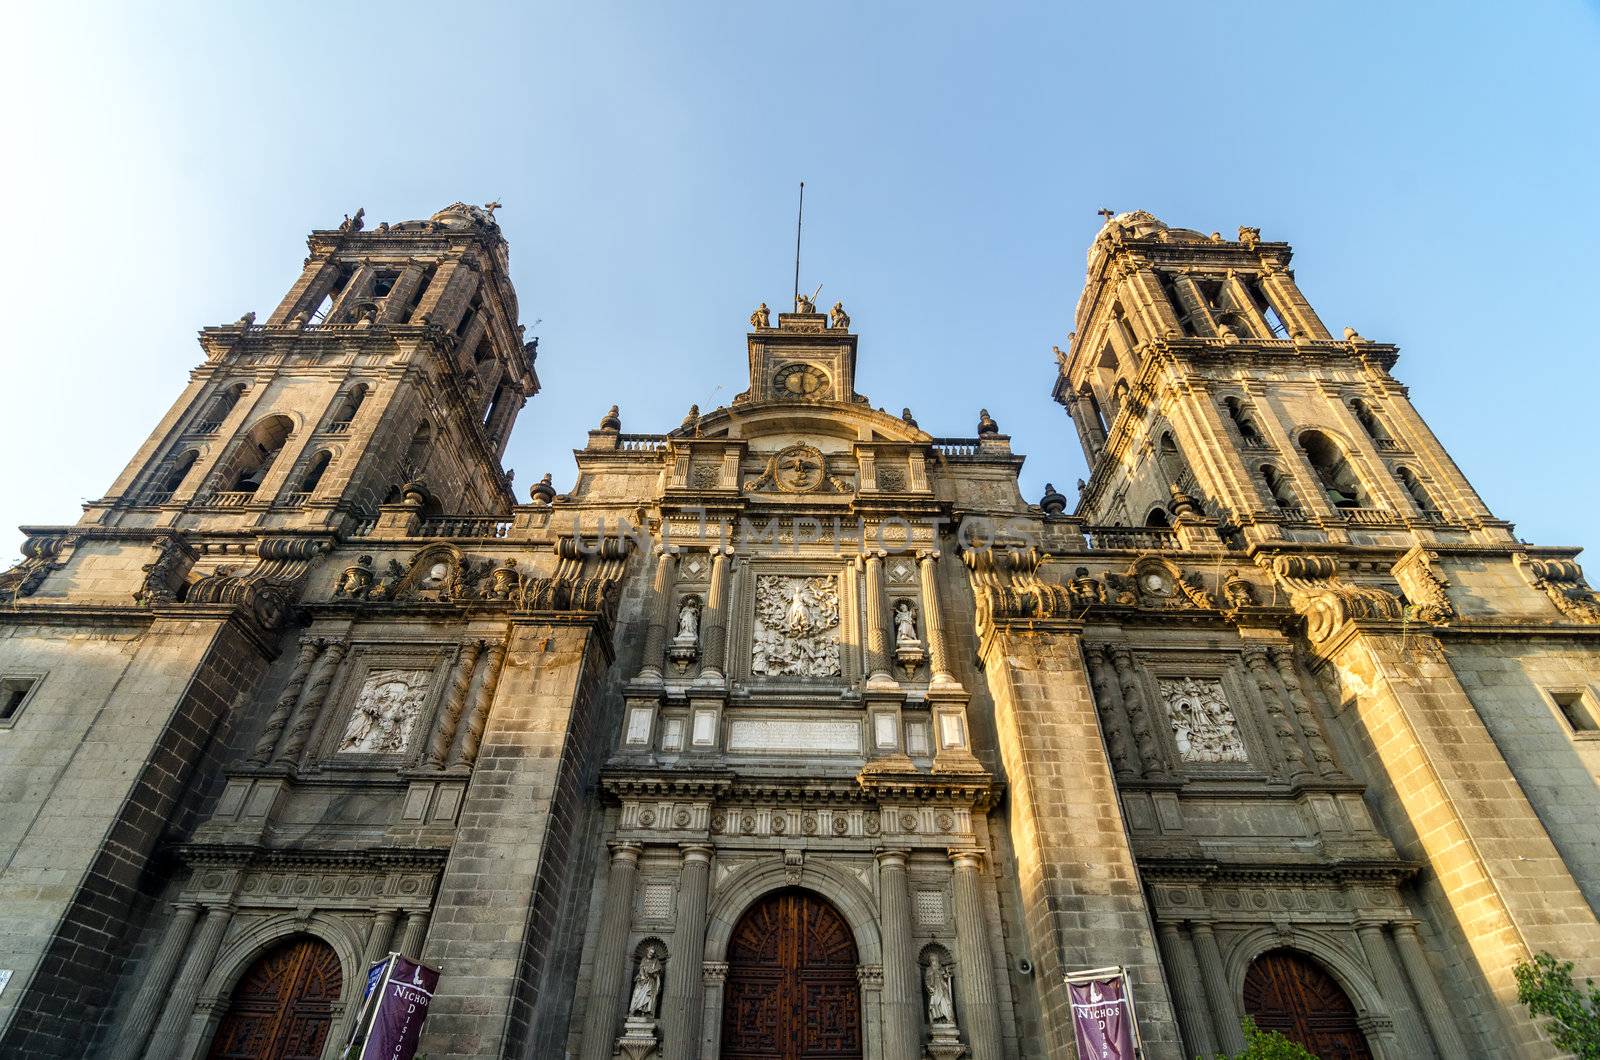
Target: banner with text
x,y
399,991
1102,1014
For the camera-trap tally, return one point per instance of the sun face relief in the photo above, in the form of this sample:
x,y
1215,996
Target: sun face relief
x,y
798,469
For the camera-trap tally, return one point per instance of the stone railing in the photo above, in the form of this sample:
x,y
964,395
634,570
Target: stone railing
x,y
1139,537
363,526
1368,516
225,499
338,427
956,446
156,497
291,500
465,526
642,443
205,427
1288,515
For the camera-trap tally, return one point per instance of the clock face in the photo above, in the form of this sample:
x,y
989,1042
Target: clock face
x,y
801,381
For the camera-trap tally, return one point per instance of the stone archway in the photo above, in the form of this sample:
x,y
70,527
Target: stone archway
x,y
792,991
1287,991
282,1007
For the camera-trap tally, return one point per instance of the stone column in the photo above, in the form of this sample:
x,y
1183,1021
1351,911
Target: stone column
x,y
600,1019
416,933
309,649
1183,972
714,643
1256,659
157,976
1219,996
974,965
933,619
1283,656
185,992
715,974
655,638
305,715
467,752
683,1000
450,715
1446,1038
378,937
1139,712
1194,304
877,635
902,993
1107,698
1393,989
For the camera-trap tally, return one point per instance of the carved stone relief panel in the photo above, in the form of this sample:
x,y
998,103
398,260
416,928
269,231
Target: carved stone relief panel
x,y
385,713
796,632
1203,723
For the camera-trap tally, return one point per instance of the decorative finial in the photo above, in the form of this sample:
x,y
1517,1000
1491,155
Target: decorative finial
x,y
1352,335
1107,214
490,207
246,320
1052,502
691,420
905,414
761,318
1182,504
612,420
987,427
542,492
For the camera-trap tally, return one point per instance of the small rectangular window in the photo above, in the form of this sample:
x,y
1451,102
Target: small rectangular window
x,y
15,691
1578,711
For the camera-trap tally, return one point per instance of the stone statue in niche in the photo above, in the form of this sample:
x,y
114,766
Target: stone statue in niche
x,y
386,711
1203,723
797,627
646,985
905,623
689,619
936,978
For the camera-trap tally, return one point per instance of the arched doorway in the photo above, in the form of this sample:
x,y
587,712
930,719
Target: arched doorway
x,y
283,1005
1289,992
792,991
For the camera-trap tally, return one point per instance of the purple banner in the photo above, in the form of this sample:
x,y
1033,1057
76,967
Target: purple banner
x,y
399,991
1102,1019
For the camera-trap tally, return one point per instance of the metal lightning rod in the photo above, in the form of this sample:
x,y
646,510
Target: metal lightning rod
x,y
798,221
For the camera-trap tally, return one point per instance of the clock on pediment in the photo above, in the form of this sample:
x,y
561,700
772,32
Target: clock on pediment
x,y
806,382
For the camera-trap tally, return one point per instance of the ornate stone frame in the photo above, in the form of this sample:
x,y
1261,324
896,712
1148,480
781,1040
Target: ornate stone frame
x,y
822,691
366,658
1225,666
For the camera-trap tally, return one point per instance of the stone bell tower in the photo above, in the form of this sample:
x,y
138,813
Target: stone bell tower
x,y
1204,387
395,359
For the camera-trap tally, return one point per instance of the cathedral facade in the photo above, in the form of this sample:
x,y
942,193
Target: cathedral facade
x,y
794,730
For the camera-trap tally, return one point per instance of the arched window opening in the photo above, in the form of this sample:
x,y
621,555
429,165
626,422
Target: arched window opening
x,y
1158,517
257,452
417,452
1264,306
1338,480
223,405
313,475
1282,493
1180,309
383,282
473,309
1419,493
1119,320
1093,405
1288,992
1234,324
1242,422
490,417
350,405
283,1004
1369,420
417,295
180,471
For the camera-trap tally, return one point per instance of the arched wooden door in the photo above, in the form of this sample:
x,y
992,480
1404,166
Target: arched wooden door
x,y
792,992
282,1008
1289,992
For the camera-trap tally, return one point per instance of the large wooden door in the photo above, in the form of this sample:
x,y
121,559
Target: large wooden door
x,y
283,1006
1289,992
792,991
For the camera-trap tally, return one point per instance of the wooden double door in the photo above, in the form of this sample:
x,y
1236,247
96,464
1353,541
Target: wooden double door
x,y
1289,992
792,991
282,1008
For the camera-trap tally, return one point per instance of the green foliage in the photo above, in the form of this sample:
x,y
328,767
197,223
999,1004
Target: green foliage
x,y
1268,1045
1545,985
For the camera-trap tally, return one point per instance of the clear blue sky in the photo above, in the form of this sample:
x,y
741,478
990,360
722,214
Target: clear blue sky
x,y
1434,164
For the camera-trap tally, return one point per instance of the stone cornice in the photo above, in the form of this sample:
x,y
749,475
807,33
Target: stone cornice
x,y
1213,871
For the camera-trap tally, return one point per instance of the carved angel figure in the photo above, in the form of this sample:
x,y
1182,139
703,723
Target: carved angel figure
x,y
936,978
646,985
385,713
905,623
797,627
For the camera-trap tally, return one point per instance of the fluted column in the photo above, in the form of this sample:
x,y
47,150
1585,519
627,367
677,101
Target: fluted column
x,y
309,649
1107,698
416,933
1184,975
1446,1038
171,1031
1219,996
450,715
1256,659
933,618
877,635
310,706
377,947
714,646
156,977
616,917
478,717
1283,657
1139,712
655,638
1393,989
686,966
902,993
714,978
974,965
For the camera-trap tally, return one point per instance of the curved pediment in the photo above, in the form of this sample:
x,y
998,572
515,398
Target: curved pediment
x,y
818,422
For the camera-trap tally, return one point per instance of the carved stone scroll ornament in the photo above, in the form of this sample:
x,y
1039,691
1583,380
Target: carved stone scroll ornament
x,y
1008,586
1203,724
386,712
796,626
1424,586
1153,583
163,576
1326,602
356,580
40,556
270,587
1562,581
